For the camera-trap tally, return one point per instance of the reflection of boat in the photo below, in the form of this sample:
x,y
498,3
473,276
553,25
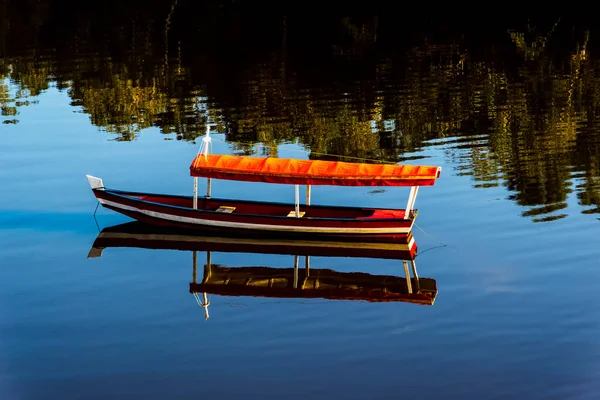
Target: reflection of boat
x,y
268,218
292,282
314,283
134,234
310,283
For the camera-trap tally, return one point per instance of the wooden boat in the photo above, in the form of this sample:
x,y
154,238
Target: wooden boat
x,y
271,218
260,281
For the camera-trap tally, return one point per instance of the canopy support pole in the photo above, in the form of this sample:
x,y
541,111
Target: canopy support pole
x,y
207,268
295,272
414,270
411,201
194,267
208,180
205,303
408,282
207,274
195,200
308,195
307,265
297,200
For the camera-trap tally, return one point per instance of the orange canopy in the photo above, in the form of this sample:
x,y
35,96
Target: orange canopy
x,y
311,172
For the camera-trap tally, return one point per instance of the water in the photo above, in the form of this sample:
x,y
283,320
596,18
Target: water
x,y
508,232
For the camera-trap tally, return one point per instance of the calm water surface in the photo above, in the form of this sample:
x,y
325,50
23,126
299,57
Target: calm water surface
x,y
509,233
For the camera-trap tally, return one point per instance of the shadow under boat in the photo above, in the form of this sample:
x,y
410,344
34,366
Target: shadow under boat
x,y
300,282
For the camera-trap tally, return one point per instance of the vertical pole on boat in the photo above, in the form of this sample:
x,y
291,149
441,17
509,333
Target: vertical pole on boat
x,y
206,142
296,272
194,267
207,268
414,270
308,195
412,196
297,200
205,305
408,281
307,265
207,273
195,200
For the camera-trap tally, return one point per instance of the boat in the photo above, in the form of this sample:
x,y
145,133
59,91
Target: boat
x,y
269,282
277,219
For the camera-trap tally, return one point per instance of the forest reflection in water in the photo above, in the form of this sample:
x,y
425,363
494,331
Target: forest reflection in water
x,y
518,113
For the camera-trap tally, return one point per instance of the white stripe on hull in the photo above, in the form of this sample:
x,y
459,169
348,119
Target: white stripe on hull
x,y
250,226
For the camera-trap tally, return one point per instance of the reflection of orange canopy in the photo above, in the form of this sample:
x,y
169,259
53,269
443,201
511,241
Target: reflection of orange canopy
x,y
321,283
311,172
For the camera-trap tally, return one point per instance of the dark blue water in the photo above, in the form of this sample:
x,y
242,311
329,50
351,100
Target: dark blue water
x,y
516,315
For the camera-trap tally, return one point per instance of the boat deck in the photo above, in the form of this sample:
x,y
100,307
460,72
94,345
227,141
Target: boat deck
x,y
244,207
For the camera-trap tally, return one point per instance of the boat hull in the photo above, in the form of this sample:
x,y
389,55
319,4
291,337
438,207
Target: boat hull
x,y
260,218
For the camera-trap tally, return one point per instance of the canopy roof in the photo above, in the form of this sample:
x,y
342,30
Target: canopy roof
x,y
311,172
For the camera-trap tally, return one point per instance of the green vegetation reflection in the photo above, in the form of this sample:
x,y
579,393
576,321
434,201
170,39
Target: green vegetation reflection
x,y
525,118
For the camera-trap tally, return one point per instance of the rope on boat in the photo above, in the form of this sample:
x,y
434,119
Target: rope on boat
x,y
429,249
429,236
96,221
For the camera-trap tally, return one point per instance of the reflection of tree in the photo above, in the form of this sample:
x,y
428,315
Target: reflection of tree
x,y
532,48
526,119
121,107
13,97
529,123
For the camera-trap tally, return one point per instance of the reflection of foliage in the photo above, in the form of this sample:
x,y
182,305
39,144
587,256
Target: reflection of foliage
x,y
357,37
528,123
119,104
536,46
12,99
